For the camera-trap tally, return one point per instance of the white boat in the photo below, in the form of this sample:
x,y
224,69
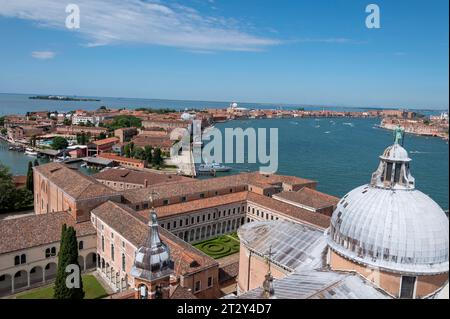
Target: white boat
x,y
30,152
213,167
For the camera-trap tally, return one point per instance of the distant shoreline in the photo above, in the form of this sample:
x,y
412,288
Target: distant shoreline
x,y
62,98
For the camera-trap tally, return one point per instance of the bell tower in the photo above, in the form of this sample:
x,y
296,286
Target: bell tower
x,y
152,265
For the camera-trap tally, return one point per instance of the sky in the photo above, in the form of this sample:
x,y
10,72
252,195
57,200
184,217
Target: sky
x,y
273,51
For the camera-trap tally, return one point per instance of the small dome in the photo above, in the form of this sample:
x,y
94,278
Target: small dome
x,y
152,260
395,153
186,116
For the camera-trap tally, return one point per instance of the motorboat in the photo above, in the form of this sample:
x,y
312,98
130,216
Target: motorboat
x,y
213,167
30,152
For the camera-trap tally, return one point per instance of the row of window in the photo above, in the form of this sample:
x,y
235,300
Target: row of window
x,y
198,284
112,252
201,218
261,214
49,252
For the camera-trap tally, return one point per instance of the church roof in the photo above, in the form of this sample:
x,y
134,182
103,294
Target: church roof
x,y
293,246
320,284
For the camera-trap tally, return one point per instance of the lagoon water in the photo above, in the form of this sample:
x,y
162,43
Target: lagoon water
x,y
339,156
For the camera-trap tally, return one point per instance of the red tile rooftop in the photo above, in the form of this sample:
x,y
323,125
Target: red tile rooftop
x,y
310,198
209,185
196,205
300,214
73,182
30,231
137,177
120,158
106,141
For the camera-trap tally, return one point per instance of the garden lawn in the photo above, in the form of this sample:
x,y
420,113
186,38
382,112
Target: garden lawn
x,y
220,247
92,288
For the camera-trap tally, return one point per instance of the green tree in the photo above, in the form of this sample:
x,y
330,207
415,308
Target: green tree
x,y
127,151
68,255
139,154
59,143
4,131
102,136
7,189
148,154
67,122
122,121
157,159
2,120
29,183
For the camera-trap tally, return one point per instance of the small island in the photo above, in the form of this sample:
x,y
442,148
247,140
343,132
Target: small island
x,y
62,98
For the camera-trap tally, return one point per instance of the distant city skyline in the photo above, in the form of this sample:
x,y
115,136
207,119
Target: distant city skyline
x,y
283,52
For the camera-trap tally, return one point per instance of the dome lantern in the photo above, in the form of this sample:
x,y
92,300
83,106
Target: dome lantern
x,y
394,169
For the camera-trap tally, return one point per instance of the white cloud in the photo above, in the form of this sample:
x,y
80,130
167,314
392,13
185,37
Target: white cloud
x,y
43,55
108,22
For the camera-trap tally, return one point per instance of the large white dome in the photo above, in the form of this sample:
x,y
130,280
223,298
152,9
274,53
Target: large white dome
x,y
398,230
391,225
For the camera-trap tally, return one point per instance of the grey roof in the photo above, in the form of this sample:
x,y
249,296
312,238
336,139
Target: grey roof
x,y
316,284
98,161
402,231
294,246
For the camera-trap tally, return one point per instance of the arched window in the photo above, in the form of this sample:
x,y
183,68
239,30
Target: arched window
x,y
23,259
16,260
103,243
123,261
80,245
112,252
143,292
53,251
47,253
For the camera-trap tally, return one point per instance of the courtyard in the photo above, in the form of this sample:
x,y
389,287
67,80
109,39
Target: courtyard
x,y
220,247
92,288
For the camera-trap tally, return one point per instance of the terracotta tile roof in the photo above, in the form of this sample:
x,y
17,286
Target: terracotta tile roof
x,y
134,228
137,177
196,205
30,231
298,213
119,158
73,182
182,293
310,197
228,272
199,186
106,141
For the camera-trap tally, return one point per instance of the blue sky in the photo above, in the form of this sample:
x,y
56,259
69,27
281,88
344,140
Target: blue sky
x,y
275,51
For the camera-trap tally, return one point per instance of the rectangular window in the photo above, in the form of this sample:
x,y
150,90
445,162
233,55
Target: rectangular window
x,y
202,195
407,288
166,202
210,282
183,199
197,286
